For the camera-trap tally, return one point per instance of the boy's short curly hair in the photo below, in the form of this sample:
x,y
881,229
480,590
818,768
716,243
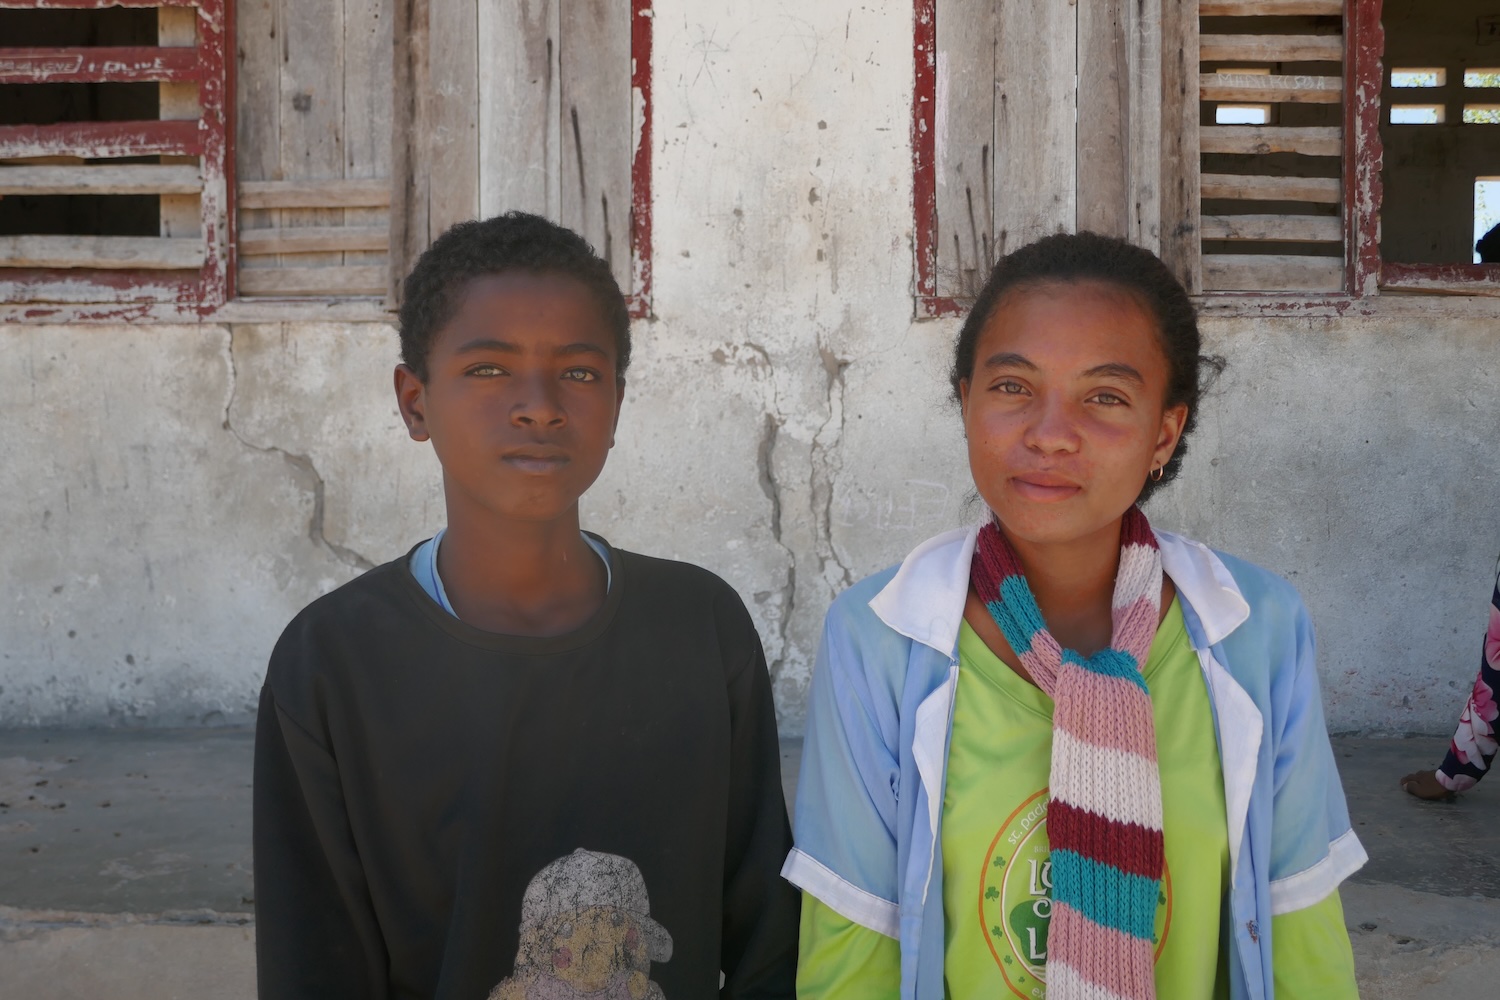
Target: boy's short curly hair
x,y
515,241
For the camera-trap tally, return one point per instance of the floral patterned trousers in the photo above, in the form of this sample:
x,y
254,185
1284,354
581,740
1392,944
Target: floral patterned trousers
x,y
1473,748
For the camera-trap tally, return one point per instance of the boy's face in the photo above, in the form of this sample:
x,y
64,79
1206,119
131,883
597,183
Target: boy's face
x,y
521,398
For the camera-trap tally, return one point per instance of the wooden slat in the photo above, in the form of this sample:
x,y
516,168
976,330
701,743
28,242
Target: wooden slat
x,y
305,281
1180,202
257,151
964,149
92,4
1271,48
1144,45
1277,228
315,194
101,140
450,136
1261,139
1272,273
101,251
259,242
104,178
1250,88
594,66
408,210
520,93
179,214
1036,136
104,64
367,111
1103,118
1253,187
1270,8
312,108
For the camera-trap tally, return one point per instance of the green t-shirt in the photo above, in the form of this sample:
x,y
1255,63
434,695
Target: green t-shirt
x,y
996,872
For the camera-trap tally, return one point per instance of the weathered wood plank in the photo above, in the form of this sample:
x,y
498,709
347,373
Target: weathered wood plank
x,y
1272,273
1250,187
1261,139
112,252
257,150
594,77
101,64
315,194
105,140
103,178
450,129
964,145
314,281
177,27
1271,48
367,110
1270,8
1036,135
1277,228
312,107
520,93
409,79
259,242
1181,247
1249,88
1144,51
1103,117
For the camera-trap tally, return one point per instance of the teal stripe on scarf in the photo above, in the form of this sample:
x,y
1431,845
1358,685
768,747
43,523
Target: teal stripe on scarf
x,y
1106,895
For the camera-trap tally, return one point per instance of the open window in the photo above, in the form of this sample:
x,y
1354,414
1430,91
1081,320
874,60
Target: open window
x,y
1439,132
113,189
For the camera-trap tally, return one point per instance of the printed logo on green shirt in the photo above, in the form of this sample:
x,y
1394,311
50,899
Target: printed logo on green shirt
x,y
1015,900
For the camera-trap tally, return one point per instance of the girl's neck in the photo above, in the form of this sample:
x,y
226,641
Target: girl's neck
x,y
1074,584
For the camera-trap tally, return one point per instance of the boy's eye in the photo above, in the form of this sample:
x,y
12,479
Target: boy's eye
x,y
485,370
580,375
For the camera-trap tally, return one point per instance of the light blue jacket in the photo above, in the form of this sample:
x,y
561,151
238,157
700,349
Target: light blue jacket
x,y
869,802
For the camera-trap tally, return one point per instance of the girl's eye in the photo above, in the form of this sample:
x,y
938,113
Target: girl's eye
x,y
1010,388
1108,399
580,375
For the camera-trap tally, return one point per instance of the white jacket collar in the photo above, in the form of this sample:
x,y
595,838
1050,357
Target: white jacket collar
x,y
924,601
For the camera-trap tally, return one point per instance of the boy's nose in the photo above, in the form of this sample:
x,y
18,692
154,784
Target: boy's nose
x,y
538,403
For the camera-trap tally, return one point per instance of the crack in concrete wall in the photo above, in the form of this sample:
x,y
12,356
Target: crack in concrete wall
x,y
303,466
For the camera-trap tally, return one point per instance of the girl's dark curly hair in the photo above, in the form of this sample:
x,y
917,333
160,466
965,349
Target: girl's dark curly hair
x,y
1073,257
514,241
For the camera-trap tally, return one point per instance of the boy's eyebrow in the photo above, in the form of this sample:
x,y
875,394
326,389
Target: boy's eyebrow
x,y
1115,369
1009,359
506,347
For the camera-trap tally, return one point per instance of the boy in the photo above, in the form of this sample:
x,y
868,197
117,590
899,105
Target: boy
x,y
518,762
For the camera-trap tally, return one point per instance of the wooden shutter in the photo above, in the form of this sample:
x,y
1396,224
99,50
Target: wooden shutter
x,y
1271,194
534,105
80,167
314,147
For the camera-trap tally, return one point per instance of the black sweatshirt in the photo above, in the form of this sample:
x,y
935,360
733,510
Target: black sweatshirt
x,y
446,812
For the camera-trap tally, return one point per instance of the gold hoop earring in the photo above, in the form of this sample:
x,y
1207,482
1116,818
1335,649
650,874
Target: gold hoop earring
x,y
1157,473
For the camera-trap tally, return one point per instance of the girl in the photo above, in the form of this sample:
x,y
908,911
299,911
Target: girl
x,y
1062,755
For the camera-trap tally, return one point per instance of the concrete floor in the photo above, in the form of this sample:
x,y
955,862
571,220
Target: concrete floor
x,y
127,870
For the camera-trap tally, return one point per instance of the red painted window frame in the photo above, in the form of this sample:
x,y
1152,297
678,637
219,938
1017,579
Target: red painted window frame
x,y
638,298
929,304
137,294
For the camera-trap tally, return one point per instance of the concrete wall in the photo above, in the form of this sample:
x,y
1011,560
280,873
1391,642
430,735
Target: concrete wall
x,y
175,494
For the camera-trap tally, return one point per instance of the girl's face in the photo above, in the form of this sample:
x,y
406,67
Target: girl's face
x,y
1065,409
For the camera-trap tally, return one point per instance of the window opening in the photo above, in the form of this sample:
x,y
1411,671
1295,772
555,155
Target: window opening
x,y
1431,203
1419,78
1486,217
1418,114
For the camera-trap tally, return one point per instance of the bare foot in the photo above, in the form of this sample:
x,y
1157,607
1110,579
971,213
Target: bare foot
x,y
1424,785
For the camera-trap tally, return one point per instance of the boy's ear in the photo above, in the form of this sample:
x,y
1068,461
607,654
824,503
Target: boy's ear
x,y
411,400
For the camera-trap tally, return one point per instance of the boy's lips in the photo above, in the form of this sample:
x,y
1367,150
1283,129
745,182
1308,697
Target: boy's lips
x,y
537,460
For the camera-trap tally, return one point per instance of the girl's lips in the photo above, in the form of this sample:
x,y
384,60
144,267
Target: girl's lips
x,y
1043,491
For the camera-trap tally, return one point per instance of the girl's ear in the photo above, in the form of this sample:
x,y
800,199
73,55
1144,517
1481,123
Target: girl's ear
x,y
1173,419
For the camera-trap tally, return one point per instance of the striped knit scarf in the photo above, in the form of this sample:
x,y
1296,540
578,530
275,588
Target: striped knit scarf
x,y
1104,820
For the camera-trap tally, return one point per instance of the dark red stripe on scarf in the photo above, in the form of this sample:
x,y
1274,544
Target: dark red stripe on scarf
x,y
1129,847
